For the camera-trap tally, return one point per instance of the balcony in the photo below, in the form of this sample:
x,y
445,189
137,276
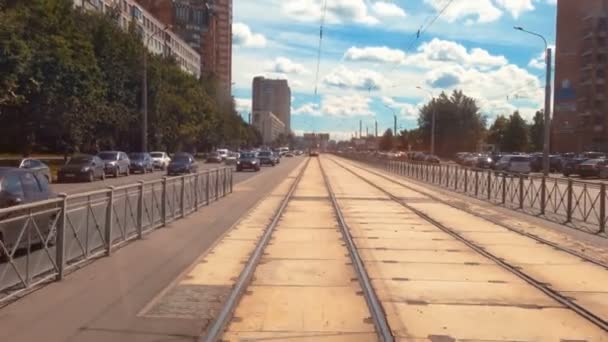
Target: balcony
x,y
600,80
588,51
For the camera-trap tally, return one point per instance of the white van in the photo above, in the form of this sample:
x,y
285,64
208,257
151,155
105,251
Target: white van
x,y
223,153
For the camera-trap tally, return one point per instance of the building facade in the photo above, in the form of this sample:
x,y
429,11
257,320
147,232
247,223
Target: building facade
x,y
206,25
274,96
156,35
580,119
269,125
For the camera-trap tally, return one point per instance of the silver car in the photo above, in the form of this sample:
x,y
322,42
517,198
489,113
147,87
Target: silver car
x,y
514,164
116,163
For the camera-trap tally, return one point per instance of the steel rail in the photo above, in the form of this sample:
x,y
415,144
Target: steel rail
x,y
219,324
375,307
564,300
496,222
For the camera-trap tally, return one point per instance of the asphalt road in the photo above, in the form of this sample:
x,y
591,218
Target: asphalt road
x,y
76,187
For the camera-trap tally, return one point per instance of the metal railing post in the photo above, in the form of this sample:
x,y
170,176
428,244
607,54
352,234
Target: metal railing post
x,y
521,192
231,180
447,176
476,183
183,196
109,220
569,201
207,188
504,188
163,202
466,181
603,208
489,185
140,211
225,182
196,191
60,237
217,184
543,195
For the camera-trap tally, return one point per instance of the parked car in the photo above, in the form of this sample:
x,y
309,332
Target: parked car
x,y
570,166
591,167
289,154
82,167
116,163
182,163
514,164
231,158
222,152
248,161
34,165
604,171
160,160
267,158
432,159
141,162
214,157
484,162
23,186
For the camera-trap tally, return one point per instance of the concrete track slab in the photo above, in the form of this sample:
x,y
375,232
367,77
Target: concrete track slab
x,y
306,250
439,272
422,256
337,272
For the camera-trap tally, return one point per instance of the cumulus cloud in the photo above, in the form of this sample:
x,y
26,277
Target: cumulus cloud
x,y
387,9
360,79
539,62
516,7
406,110
438,50
242,36
380,54
478,11
242,105
338,11
311,109
284,65
346,106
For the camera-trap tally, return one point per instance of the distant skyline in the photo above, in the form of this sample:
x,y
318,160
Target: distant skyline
x,y
372,58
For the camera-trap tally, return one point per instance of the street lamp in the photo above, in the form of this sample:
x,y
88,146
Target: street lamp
x,y
394,117
547,139
144,95
432,120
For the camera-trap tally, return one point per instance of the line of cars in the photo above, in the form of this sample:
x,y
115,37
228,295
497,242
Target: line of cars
x,y
588,164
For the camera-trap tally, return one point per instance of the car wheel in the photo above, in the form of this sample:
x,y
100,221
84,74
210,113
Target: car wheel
x,y
91,177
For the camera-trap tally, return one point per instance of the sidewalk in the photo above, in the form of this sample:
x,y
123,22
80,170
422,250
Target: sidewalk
x,y
101,301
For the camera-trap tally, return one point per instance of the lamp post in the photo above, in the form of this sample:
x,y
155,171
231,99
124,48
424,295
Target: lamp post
x,y
432,120
144,95
394,119
548,62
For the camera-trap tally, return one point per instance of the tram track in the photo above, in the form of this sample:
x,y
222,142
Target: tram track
x,y
568,299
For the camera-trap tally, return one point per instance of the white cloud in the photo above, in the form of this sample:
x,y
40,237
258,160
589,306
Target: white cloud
x,y
346,106
539,61
480,11
406,110
516,7
311,109
438,50
360,79
387,9
381,54
284,65
242,36
242,105
338,11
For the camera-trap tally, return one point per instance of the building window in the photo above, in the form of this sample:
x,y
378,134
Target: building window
x,y
600,73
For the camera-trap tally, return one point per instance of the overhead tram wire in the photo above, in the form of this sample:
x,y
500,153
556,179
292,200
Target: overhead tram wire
x,y
320,45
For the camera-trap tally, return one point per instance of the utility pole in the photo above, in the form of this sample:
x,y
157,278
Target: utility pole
x,y
366,131
250,118
395,129
547,130
360,128
376,128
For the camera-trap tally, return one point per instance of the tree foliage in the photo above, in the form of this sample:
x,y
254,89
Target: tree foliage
x,y
516,134
386,141
459,124
537,133
71,79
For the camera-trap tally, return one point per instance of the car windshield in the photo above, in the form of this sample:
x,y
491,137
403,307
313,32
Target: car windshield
x,y
214,154
181,159
247,155
108,156
265,154
520,159
80,160
156,155
137,156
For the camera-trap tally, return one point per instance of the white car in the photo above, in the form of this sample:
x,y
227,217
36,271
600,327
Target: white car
x,y
222,152
160,160
231,158
514,164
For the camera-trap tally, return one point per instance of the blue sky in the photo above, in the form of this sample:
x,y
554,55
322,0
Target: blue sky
x,y
372,61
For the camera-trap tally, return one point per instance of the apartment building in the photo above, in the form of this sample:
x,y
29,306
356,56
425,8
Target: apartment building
x,y
269,125
157,36
273,96
580,119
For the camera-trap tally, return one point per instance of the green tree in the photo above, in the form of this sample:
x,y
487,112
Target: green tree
x,y
497,132
537,131
459,124
386,141
516,134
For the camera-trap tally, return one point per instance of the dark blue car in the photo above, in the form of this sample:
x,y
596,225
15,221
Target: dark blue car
x,y
182,163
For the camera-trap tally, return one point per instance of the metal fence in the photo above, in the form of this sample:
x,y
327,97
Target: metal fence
x,y
576,203
41,241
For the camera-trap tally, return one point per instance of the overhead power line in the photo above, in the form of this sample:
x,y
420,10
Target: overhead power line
x,y
320,45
